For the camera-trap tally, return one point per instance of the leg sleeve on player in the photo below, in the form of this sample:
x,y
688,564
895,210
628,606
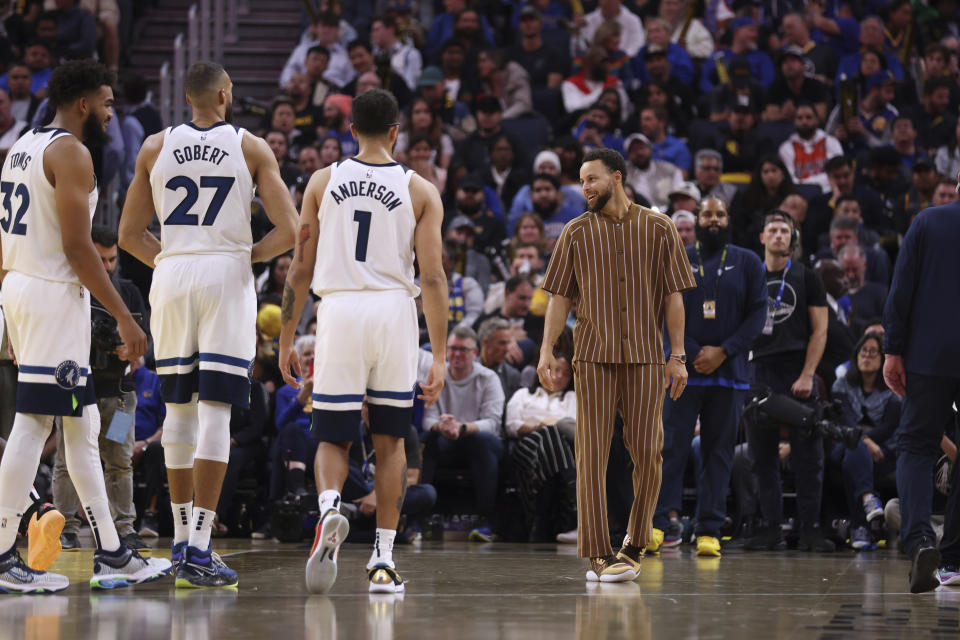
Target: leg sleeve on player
x,y
213,436
17,470
179,437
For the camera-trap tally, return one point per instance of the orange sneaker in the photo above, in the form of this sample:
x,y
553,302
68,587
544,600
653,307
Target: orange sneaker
x,y
43,538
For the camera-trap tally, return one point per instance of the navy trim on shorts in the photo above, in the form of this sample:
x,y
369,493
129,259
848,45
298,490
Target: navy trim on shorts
x,y
390,421
391,395
342,398
336,426
173,362
54,400
178,388
222,359
217,386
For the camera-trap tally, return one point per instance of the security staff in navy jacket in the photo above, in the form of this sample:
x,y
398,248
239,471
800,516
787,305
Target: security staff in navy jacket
x,y
724,314
923,349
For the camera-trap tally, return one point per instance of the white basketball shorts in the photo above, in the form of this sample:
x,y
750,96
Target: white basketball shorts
x,y
204,327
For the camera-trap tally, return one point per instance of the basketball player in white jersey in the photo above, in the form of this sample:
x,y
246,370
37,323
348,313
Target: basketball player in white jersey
x,y
362,218
200,177
50,270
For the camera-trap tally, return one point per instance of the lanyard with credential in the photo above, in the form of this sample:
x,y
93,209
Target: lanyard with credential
x,y
783,283
723,260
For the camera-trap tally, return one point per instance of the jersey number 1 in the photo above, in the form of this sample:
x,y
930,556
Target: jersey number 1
x,y
181,215
362,218
8,189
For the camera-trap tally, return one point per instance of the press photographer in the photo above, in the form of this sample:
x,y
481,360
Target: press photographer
x,y
117,401
785,356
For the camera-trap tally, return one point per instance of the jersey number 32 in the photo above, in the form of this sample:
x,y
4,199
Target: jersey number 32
x,y
13,223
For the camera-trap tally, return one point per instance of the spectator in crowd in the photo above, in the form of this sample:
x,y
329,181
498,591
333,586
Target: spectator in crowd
x,y
39,59
326,33
737,138
841,178
743,88
336,114
948,155
314,68
363,62
307,116
331,151
653,124
868,403
422,120
631,36
686,31
526,327
546,65
785,356
548,161
468,30
420,156
544,424
17,83
443,25
871,126
707,172
820,60
793,87
505,175
489,231
845,230
148,429
277,140
270,283
685,222
597,129
658,78
527,263
474,151
582,89
457,120
76,31
463,428
653,179
866,298
618,62
806,152
296,441
530,230
903,138
684,197
769,185
496,340
548,201
506,81
725,314
923,183
10,127
458,83
871,39
405,59
246,431
840,339
466,295
283,118
744,34
308,160
945,193
658,39
932,117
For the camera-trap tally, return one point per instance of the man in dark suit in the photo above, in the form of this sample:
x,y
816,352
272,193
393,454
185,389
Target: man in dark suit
x,y
923,348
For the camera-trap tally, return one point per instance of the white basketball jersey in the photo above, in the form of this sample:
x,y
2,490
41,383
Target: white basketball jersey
x,y
202,190
29,224
366,230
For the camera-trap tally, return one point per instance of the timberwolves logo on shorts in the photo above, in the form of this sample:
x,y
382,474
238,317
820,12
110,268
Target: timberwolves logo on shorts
x,y
67,375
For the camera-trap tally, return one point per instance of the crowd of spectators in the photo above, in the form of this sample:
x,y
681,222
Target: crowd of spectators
x,y
842,114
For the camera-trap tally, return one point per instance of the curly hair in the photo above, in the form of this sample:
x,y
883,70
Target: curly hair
x,y
75,79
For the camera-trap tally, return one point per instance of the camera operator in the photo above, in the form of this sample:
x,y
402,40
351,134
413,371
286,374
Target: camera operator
x,y
785,357
724,315
117,401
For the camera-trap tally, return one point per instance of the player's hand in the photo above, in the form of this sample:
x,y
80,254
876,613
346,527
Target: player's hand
x,y
289,358
895,375
305,393
430,390
545,369
677,372
134,339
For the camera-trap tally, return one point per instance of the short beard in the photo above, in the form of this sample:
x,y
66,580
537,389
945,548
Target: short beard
x,y
469,208
548,211
712,241
602,200
806,134
93,134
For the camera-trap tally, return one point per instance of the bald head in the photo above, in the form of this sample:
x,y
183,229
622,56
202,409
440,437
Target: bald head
x,y
203,82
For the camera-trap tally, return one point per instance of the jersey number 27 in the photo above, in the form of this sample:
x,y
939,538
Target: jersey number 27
x,y
181,214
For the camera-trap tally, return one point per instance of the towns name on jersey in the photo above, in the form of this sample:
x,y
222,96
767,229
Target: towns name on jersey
x,y
366,188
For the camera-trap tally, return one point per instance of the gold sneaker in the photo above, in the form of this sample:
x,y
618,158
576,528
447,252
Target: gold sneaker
x,y
631,555
385,579
610,569
708,546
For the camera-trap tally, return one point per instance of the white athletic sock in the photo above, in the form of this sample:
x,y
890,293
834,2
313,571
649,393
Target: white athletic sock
x,y
329,499
101,524
17,470
200,528
382,548
182,512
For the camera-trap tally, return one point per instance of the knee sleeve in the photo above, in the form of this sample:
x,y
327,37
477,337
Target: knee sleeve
x,y
22,457
82,453
179,437
213,436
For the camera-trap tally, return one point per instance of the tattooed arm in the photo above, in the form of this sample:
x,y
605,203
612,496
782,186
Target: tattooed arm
x,y
301,272
275,197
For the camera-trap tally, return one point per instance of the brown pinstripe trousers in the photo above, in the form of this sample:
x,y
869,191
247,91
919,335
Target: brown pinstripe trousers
x,y
637,391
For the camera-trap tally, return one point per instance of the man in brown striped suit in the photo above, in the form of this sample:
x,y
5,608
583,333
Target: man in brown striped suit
x,y
627,266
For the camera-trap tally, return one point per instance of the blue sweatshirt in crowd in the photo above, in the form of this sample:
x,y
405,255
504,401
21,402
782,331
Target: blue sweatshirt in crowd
x,y
920,317
288,411
741,310
150,408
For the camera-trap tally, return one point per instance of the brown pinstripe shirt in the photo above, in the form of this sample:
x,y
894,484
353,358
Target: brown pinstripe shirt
x,y
620,271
